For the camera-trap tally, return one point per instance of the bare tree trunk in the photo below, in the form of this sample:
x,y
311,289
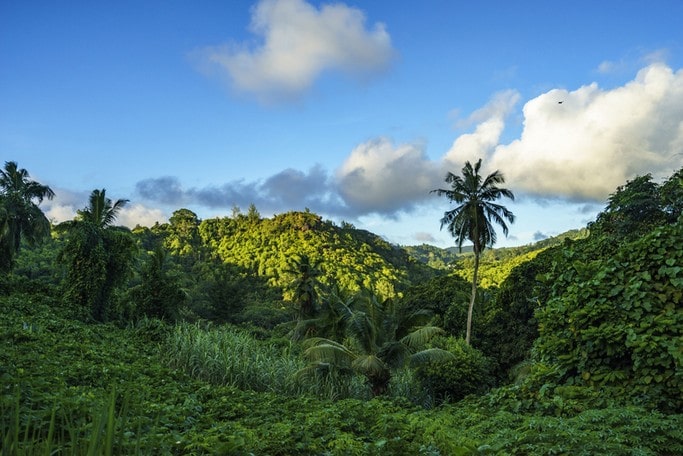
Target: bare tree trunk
x,y
472,299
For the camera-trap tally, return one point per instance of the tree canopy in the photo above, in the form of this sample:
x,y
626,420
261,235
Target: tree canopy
x,y
20,216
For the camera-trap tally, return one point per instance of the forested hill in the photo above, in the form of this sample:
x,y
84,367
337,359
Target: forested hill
x,y
346,257
447,258
496,263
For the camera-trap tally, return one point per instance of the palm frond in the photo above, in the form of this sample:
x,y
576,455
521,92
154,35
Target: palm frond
x,y
394,354
369,365
329,351
431,355
421,336
363,330
312,371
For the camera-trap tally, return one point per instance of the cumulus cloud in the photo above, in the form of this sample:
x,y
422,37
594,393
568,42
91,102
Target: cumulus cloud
x,y
58,213
64,205
575,145
379,177
138,214
490,123
298,42
584,143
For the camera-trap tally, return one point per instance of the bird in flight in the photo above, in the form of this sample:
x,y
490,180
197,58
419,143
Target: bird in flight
x,y
560,102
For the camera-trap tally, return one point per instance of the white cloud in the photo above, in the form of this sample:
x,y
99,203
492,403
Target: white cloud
x,y
383,178
58,213
581,149
486,136
137,214
299,42
595,140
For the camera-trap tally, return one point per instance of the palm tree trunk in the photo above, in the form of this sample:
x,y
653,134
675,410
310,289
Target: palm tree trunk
x,y
472,299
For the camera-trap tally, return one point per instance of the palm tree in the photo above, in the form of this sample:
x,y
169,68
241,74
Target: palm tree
x,y
97,254
100,211
381,337
472,219
330,319
20,217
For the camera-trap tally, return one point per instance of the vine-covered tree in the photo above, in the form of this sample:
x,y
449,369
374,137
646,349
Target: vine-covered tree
x,y
159,294
305,284
473,217
20,216
636,208
97,254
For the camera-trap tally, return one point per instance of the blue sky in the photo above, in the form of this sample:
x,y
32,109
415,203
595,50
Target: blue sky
x,y
353,109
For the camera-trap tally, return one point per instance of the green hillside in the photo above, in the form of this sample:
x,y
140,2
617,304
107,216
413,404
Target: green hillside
x,y
496,263
349,258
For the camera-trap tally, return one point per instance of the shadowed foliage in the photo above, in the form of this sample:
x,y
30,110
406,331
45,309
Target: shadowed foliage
x,y
20,217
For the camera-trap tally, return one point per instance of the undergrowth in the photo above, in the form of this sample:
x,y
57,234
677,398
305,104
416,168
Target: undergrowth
x,y
72,388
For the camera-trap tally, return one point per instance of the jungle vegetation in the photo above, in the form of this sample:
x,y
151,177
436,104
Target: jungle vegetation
x,y
292,335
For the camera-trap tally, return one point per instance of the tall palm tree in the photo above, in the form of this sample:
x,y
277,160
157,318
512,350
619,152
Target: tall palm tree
x,y
380,337
473,217
20,216
97,254
100,210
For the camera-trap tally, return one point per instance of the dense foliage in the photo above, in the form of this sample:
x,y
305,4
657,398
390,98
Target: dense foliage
x,y
20,217
467,372
70,387
351,259
618,321
189,338
97,256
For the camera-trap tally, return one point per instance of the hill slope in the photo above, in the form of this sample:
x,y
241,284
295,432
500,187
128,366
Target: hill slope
x,y
350,258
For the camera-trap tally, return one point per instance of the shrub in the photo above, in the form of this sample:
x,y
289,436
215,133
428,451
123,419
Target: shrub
x,y
470,372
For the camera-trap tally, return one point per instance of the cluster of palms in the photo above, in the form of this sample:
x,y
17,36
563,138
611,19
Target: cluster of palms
x,y
96,253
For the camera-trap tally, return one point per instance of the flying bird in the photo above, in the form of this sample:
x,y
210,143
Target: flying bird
x,y
560,102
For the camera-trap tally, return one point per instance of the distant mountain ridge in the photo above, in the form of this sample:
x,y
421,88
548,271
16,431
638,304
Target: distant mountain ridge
x,y
447,258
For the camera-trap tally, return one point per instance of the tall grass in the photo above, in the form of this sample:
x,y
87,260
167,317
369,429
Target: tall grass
x,y
231,356
25,432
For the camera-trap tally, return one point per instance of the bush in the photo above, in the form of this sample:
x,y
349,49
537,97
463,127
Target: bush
x,y
469,372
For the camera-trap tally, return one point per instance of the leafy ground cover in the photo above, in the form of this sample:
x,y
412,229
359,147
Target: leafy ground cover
x,y
69,387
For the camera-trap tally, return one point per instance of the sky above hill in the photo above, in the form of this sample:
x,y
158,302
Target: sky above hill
x,y
355,109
